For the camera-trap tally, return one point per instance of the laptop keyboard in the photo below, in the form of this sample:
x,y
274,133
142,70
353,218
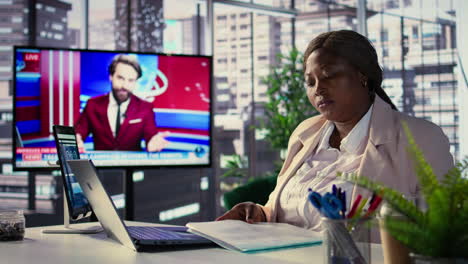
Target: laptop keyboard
x,y
153,233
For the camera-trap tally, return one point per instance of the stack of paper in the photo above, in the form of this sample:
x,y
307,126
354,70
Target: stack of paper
x,y
244,237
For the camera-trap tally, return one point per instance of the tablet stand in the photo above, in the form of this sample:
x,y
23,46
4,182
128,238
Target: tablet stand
x,y
129,190
67,228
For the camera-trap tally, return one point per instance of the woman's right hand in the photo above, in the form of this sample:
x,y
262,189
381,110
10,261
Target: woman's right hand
x,y
248,212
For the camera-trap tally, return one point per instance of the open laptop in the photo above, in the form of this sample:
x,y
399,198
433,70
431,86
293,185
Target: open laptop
x,y
138,238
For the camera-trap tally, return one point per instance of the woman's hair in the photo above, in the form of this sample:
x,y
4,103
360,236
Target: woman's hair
x,y
125,59
356,50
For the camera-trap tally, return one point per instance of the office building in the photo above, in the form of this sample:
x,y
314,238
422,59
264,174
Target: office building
x,y
184,35
420,65
52,23
146,20
13,31
101,35
243,57
14,190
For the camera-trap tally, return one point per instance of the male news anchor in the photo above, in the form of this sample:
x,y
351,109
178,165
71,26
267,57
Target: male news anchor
x,y
119,120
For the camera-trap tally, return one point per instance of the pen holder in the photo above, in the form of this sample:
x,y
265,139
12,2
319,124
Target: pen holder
x,y
346,241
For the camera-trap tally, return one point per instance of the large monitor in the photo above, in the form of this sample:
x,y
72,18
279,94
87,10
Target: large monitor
x,y
163,101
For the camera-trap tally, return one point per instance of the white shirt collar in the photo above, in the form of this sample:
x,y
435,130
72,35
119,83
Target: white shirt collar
x,y
353,140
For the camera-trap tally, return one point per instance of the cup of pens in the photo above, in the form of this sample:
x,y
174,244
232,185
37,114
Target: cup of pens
x,y
346,233
346,241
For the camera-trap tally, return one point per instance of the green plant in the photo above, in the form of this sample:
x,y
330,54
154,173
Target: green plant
x,y
236,167
287,104
439,231
286,107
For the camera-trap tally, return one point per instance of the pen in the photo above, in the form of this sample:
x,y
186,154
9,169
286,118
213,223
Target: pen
x,y
329,205
353,209
343,199
373,206
367,204
359,209
372,198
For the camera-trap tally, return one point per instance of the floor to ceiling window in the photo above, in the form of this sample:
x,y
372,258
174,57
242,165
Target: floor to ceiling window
x,y
416,44
415,40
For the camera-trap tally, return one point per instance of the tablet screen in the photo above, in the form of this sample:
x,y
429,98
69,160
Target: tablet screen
x,y
67,149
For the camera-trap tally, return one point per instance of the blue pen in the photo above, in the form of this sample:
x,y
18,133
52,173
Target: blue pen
x,y
329,205
343,199
332,206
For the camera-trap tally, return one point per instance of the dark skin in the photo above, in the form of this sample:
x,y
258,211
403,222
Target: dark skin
x,y
248,212
340,93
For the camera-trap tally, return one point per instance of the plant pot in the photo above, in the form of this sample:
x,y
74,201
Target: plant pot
x,y
419,259
393,250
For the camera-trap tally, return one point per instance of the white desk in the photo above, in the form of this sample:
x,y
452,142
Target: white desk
x,y
38,248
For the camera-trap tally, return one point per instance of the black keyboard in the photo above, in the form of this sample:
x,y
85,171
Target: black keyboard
x,y
154,233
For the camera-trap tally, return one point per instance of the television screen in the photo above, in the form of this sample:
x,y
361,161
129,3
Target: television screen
x,y
128,109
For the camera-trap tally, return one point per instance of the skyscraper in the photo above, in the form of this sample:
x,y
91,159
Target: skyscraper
x,y
13,31
52,23
146,25
419,60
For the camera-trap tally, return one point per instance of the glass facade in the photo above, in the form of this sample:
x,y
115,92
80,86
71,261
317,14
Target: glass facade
x,y
416,44
415,40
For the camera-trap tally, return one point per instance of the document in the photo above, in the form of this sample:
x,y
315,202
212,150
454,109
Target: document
x,y
247,238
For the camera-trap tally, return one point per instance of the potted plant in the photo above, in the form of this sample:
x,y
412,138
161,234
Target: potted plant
x,y
286,107
287,104
438,234
244,188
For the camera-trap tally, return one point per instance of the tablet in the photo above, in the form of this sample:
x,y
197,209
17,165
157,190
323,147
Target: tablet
x,y
67,149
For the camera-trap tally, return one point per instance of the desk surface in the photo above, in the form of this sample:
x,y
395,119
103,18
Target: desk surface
x,y
41,248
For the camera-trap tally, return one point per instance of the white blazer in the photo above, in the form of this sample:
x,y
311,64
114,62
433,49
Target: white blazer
x,y
385,158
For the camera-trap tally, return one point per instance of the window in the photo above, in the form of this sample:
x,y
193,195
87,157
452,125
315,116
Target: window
x,y
50,9
385,51
415,32
430,79
222,60
57,26
58,36
244,74
221,79
16,19
384,35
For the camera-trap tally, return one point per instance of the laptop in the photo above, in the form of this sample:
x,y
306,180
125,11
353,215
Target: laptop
x,y
138,238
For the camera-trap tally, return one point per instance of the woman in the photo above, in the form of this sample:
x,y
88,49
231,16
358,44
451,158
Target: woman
x,y
358,130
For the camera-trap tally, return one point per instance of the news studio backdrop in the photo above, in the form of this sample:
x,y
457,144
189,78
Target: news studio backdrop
x,y
52,86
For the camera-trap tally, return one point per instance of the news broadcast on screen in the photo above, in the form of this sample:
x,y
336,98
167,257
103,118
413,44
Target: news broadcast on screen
x,y
165,122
